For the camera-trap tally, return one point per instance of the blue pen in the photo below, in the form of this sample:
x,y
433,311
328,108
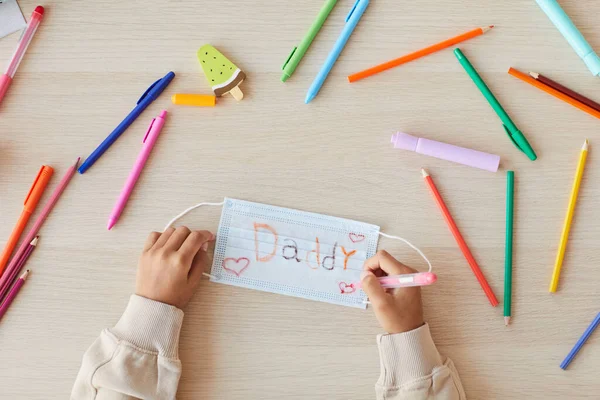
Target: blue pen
x,y
351,21
586,335
147,98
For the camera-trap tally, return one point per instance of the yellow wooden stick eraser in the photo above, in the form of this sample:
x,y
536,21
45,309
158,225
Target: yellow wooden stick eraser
x,y
198,100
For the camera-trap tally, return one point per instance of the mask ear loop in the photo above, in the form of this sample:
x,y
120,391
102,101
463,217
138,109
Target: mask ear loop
x,y
409,244
187,210
183,213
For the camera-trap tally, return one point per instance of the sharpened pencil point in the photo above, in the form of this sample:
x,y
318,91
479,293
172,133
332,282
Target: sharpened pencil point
x,y
111,223
424,173
35,240
534,75
486,28
506,321
76,162
25,274
586,144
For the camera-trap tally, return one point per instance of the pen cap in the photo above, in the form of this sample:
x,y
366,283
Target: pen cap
x,y
404,141
593,63
38,187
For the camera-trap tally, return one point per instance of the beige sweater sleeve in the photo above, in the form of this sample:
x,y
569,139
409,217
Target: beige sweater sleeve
x,y
137,359
412,369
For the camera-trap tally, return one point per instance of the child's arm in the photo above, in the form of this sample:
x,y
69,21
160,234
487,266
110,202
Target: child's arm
x,y
138,357
411,367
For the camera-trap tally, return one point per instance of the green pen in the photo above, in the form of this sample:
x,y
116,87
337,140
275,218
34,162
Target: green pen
x,y
511,129
298,52
508,246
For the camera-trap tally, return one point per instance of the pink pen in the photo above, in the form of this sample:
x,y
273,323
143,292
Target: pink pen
x,y
26,36
407,280
147,145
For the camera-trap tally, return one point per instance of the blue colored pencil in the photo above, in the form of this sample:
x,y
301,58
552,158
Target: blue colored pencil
x,y
586,335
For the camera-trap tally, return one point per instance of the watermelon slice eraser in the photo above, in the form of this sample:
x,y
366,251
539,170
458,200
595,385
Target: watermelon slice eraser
x,y
223,75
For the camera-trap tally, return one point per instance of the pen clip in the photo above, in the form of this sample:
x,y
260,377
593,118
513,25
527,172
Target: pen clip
x,y
289,57
512,139
37,178
352,11
148,90
148,131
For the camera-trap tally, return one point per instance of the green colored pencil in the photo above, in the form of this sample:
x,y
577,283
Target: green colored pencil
x,y
508,248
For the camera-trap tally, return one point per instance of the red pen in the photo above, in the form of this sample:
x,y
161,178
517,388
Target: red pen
x,y
26,36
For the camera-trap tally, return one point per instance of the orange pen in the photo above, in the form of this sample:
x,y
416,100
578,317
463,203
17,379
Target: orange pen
x,y
31,202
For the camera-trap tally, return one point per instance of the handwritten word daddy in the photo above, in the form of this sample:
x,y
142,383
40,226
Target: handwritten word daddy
x,y
290,250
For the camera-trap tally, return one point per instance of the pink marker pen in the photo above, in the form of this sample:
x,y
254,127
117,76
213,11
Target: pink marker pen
x,y
26,36
147,144
445,151
407,280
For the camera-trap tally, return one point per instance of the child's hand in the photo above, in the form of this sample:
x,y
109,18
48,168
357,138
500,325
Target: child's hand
x,y
397,310
172,264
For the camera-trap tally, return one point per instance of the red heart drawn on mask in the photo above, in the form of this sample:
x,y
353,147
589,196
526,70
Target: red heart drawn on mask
x,y
235,265
346,288
355,237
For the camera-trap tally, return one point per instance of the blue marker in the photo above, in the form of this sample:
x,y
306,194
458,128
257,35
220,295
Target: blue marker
x,y
351,21
586,335
147,98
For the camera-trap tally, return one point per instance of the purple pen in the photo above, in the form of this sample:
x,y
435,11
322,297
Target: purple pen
x,y
445,151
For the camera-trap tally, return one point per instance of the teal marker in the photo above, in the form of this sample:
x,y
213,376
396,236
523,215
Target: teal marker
x,y
298,52
567,28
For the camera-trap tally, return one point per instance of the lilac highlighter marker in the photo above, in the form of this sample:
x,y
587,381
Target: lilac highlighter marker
x,y
445,151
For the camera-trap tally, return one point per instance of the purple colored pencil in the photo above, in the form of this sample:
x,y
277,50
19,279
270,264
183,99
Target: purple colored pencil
x,y
15,271
13,293
586,335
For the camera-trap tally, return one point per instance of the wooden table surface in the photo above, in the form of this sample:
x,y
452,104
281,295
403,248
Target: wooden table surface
x,y
89,63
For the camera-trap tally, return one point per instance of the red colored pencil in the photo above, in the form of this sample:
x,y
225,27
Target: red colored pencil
x,y
13,293
460,241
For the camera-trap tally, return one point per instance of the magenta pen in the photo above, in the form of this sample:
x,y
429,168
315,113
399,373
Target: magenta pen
x,y
445,151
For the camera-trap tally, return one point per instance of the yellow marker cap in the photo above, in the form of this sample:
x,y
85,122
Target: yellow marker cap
x,y
198,100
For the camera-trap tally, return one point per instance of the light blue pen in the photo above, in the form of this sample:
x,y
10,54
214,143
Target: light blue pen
x,y
351,21
567,28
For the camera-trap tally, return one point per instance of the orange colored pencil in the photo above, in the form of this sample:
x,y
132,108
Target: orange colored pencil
x,y
560,95
460,240
418,54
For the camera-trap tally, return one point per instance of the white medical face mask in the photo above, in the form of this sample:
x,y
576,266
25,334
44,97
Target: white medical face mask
x,y
291,252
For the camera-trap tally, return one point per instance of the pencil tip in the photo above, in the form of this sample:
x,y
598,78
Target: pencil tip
x,y
534,75
487,28
506,321
424,173
586,144
34,242
76,162
25,274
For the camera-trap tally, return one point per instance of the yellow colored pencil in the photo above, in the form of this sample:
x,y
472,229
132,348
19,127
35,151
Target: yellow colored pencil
x,y
564,237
